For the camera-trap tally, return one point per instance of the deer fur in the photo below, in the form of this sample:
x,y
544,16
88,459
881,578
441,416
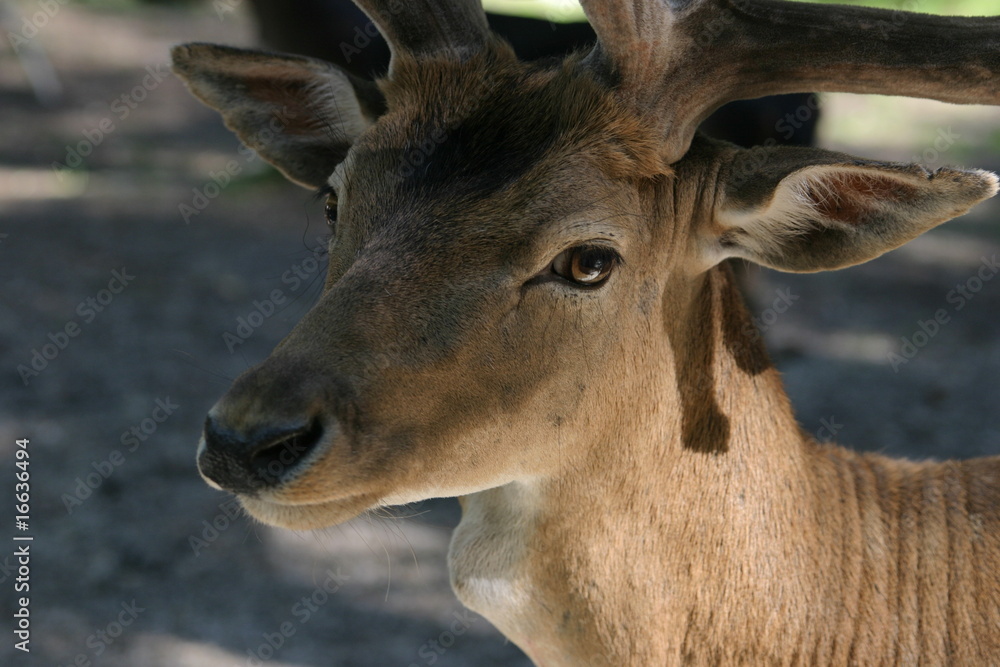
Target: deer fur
x,y
773,549
635,487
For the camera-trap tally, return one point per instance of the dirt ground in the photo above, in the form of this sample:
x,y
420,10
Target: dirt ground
x,y
136,562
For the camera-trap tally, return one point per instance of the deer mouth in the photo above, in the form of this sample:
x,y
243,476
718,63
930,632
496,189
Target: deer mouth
x,y
308,516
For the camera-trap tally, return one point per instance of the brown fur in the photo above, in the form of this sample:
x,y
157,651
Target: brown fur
x,y
636,490
775,551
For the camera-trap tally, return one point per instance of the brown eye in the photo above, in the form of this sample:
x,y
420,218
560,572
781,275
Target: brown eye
x,y
585,265
331,211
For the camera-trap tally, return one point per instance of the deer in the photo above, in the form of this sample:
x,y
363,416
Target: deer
x,y
528,305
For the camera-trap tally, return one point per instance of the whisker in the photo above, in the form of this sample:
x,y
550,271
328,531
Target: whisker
x,y
190,360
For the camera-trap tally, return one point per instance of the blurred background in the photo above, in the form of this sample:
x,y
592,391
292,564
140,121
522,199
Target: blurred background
x,y
129,245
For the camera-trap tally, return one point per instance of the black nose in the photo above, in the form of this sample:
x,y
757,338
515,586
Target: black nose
x,y
258,460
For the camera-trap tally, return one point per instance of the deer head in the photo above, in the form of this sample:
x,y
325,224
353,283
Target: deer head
x,y
524,264
506,237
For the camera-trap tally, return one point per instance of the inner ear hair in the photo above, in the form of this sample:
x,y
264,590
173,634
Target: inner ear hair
x,y
836,212
300,114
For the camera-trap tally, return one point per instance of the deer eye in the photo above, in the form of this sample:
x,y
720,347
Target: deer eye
x,y
331,211
586,265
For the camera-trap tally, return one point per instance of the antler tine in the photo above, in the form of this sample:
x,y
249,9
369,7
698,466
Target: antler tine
x,y
424,28
634,40
710,52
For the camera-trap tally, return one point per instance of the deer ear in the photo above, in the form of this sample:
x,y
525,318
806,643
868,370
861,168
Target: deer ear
x,y
298,113
802,209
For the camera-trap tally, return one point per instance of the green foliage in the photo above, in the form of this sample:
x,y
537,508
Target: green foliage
x,y
561,11
948,7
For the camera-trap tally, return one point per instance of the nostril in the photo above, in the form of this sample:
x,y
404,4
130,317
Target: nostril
x,y
272,460
265,457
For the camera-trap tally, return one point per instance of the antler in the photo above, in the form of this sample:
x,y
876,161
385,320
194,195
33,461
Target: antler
x,y
679,60
424,28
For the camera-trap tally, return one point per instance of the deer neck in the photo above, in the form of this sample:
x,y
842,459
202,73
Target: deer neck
x,y
685,502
